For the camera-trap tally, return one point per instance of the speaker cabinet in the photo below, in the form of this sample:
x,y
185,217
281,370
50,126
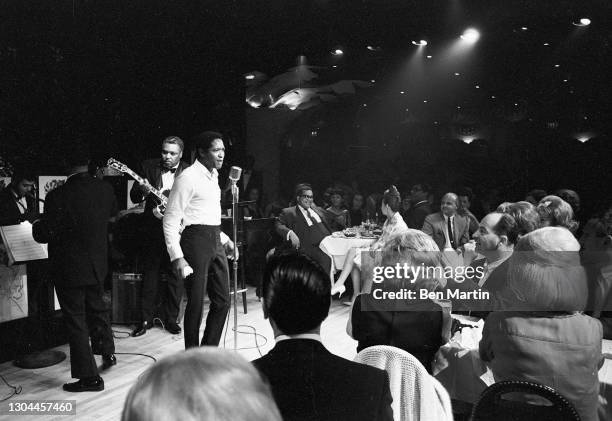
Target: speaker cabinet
x,y
127,294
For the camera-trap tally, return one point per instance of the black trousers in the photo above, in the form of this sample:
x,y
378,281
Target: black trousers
x,y
155,258
86,316
202,248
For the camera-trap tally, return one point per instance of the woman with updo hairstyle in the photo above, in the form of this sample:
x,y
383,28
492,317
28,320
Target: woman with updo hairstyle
x,y
556,212
417,326
338,214
542,336
390,206
201,384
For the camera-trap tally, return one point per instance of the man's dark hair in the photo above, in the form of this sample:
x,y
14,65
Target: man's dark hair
x,y
466,191
296,293
423,186
205,139
301,188
79,155
22,174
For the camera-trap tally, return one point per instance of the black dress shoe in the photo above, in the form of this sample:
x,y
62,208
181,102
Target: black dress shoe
x,y
108,361
173,327
90,384
141,330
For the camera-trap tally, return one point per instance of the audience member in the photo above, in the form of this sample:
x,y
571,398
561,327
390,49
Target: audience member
x,y
337,213
304,226
393,225
356,212
548,341
417,326
534,196
419,196
253,210
447,228
308,382
556,212
201,384
465,202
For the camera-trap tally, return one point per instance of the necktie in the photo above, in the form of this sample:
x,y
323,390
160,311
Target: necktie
x,y
451,237
171,170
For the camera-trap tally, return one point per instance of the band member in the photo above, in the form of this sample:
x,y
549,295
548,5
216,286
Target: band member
x,y
17,200
75,224
195,200
159,174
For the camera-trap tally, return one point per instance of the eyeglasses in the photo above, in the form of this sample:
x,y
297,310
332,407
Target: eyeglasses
x,y
305,196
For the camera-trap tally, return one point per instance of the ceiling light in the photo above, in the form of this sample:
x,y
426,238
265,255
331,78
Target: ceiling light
x,y
337,52
582,22
250,76
429,56
523,28
470,35
420,43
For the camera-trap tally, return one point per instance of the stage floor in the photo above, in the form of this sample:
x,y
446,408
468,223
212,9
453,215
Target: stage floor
x,y
46,383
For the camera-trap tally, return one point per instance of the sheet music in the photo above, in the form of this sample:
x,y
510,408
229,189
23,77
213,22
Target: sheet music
x,y
20,244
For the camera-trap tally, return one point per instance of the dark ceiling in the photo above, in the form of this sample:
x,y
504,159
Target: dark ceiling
x,y
141,69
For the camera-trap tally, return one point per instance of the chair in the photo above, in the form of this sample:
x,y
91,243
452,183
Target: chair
x,y
416,394
492,406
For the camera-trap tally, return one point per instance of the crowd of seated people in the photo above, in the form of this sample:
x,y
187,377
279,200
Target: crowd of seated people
x,y
541,280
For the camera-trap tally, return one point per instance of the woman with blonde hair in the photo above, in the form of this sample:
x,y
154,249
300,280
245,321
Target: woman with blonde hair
x,y
418,326
542,336
203,383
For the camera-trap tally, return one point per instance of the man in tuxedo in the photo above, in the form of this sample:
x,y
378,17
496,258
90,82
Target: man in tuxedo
x,y
308,382
419,196
448,229
304,226
158,173
17,201
75,224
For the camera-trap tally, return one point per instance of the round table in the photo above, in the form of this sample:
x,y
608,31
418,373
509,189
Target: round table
x,y
337,246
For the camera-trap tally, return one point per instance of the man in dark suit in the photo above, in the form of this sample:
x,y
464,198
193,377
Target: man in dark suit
x,y
447,228
308,382
17,202
419,197
304,226
75,224
159,173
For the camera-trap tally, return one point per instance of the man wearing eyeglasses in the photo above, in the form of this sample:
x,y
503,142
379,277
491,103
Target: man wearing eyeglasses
x,y
304,226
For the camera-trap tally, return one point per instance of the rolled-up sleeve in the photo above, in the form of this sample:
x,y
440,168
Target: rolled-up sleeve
x,y
180,195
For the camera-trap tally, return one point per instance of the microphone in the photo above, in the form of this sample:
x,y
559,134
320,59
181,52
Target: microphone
x,y
235,173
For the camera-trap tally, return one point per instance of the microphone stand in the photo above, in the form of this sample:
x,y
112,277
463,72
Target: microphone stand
x,y
235,194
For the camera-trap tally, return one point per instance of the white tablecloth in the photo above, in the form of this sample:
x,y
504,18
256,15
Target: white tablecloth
x,y
337,248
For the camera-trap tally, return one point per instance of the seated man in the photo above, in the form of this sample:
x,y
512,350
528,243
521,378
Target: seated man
x,y
17,200
447,228
308,382
304,226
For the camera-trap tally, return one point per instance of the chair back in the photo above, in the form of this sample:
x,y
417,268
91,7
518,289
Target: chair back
x,y
416,394
524,401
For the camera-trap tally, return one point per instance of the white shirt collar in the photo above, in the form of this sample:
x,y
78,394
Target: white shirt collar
x,y
202,167
312,336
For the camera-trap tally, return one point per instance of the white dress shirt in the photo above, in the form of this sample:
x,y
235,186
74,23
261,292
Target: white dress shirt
x,y
168,179
195,199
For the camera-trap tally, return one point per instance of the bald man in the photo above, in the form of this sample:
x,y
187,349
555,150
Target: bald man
x,y
447,228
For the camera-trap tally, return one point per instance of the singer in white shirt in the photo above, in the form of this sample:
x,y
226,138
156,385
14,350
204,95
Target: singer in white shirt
x,y
195,200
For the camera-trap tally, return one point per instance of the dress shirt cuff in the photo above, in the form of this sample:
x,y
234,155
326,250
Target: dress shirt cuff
x,y
224,238
175,252
288,232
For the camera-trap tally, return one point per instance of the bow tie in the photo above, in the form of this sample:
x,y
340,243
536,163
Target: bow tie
x,y
172,170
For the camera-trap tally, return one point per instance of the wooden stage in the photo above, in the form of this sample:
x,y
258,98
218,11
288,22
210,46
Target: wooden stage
x,y
46,383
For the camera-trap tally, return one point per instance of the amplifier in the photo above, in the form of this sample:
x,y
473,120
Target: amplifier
x,y
127,294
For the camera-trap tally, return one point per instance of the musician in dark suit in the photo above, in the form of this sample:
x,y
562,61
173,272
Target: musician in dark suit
x,y
309,382
447,228
75,224
304,225
160,174
17,201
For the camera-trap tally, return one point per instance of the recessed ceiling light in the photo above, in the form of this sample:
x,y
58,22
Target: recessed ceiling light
x,y
523,28
546,44
250,76
470,35
477,86
429,56
337,52
457,74
420,43
582,22
557,65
